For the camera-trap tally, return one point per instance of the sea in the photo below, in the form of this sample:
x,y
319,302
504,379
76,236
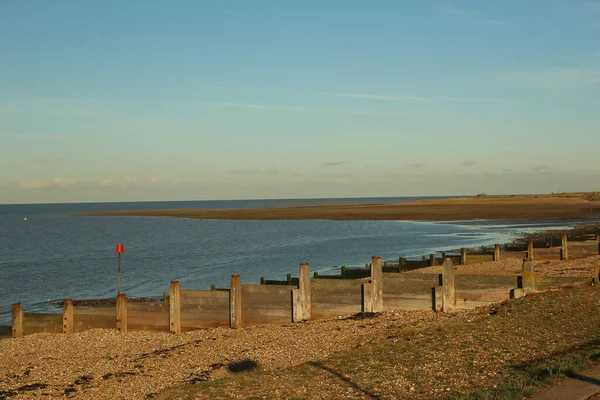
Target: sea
x,y
47,254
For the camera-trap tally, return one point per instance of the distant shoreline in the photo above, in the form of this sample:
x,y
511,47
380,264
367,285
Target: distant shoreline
x,y
532,207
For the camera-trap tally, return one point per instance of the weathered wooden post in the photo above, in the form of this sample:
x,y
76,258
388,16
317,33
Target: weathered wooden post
x,y
377,282
528,276
438,298
122,312
17,320
367,296
530,250
305,291
175,307
235,302
68,311
463,256
301,297
564,250
449,286
496,252
431,260
401,262
343,272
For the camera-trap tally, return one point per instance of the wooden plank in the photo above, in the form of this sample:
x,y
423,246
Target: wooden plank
x,y
204,324
421,295
159,316
32,317
336,284
221,294
513,254
272,312
186,317
479,258
268,298
150,328
267,289
205,308
326,310
42,323
407,304
152,307
101,311
338,300
204,301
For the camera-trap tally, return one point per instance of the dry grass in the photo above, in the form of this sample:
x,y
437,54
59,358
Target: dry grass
x,y
498,352
574,205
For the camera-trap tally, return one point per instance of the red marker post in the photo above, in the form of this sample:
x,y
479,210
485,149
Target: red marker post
x,y
119,250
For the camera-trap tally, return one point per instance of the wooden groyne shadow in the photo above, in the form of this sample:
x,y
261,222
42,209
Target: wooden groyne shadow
x,y
344,378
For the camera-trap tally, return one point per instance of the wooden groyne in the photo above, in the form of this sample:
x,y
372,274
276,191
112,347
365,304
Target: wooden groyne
x,y
375,288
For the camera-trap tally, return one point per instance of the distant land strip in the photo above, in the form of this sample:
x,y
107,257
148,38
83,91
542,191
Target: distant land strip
x,y
566,205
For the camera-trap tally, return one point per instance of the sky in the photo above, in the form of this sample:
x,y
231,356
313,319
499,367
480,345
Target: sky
x,y
221,99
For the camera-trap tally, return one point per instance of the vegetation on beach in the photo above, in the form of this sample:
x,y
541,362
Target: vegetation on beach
x,y
506,351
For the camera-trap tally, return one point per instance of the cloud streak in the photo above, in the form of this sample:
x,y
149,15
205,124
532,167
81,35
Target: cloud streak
x,y
333,164
379,97
265,107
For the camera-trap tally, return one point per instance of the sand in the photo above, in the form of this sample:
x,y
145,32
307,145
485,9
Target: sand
x,y
571,205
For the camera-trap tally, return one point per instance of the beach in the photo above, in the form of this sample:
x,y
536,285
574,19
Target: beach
x,y
523,207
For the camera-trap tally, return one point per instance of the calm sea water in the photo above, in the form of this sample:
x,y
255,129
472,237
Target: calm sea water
x,y
54,256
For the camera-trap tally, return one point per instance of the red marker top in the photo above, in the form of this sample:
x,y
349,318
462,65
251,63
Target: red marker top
x,y
120,248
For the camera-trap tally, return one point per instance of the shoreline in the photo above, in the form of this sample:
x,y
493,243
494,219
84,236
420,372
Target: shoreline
x,y
529,207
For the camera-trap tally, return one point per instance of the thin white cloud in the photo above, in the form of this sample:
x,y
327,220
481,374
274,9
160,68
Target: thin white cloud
x,y
299,109
39,184
400,99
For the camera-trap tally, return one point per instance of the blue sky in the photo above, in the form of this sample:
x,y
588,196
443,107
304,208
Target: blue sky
x,y
149,100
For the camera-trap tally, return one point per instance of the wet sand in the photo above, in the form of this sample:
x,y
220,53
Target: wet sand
x,y
569,205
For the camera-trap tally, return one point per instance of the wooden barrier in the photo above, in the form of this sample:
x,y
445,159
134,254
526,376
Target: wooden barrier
x,y
148,317
449,301
122,308
204,309
547,254
476,258
235,302
262,304
409,291
301,297
463,256
513,254
41,323
68,315
85,318
583,249
564,255
5,331
336,297
174,307
17,320
474,291
496,252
